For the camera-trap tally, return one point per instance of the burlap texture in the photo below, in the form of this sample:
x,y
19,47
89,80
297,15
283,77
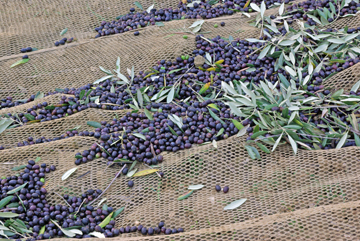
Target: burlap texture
x,y
311,196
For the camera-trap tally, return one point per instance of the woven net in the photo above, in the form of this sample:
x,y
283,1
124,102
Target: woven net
x,y
314,195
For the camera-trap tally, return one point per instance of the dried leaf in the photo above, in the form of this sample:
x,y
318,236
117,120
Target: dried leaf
x,y
94,124
68,173
63,31
16,189
204,88
117,212
186,195
196,187
235,204
145,172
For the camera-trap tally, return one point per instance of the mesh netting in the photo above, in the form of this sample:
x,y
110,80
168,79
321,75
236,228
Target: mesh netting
x,y
312,194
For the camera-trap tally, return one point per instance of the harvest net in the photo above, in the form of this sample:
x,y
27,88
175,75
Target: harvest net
x,y
313,195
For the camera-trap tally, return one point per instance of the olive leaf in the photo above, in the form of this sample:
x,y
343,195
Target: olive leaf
x,y
97,234
66,232
137,4
140,136
68,173
102,200
186,195
18,168
21,61
140,97
16,189
342,140
196,187
5,201
117,212
63,31
213,115
39,95
170,96
220,132
42,230
293,144
8,215
131,173
149,8
160,24
214,144
103,79
235,204
112,89
148,114
94,124
263,148
145,172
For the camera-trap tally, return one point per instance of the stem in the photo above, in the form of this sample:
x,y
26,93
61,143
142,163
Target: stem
x,y
117,174
63,199
152,168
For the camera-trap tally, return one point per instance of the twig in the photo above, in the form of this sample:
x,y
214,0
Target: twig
x,y
117,174
63,199
83,174
152,149
7,209
80,206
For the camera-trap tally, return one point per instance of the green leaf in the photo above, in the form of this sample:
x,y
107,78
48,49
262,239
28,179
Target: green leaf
x,y
204,88
94,124
174,71
5,201
148,114
137,4
213,115
342,141
264,52
141,136
263,147
172,131
68,173
235,204
186,195
5,123
63,31
171,94
13,205
21,61
106,220
8,215
336,41
103,79
277,142
139,97
259,133
37,159
16,189
42,230
81,95
213,106
237,124
18,168
337,94
29,117
250,152
220,132
357,139
284,81
39,95
66,232
293,144
160,24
